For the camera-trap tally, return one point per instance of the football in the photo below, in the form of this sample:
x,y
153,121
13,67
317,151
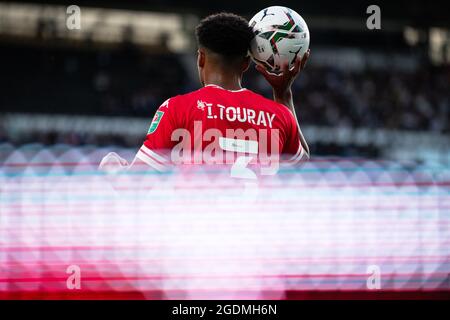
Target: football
x,y
281,35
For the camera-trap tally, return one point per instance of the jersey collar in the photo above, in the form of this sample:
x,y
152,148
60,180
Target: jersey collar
x,y
219,87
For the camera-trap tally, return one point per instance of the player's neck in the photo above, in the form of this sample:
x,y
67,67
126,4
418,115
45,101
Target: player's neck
x,y
225,81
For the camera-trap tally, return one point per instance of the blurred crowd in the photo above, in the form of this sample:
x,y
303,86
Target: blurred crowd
x,y
381,99
100,81
130,82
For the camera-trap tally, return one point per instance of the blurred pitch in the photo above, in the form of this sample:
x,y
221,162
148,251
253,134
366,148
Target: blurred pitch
x,y
343,227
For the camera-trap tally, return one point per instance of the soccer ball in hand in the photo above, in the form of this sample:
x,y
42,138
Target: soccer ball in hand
x,y
281,35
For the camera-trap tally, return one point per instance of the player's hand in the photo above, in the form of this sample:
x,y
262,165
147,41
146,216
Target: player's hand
x,y
282,82
112,163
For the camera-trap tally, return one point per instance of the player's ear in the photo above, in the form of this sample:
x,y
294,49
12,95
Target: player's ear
x,y
201,58
246,63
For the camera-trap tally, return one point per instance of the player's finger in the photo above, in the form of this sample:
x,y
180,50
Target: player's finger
x,y
285,68
305,58
263,71
296,67
260,68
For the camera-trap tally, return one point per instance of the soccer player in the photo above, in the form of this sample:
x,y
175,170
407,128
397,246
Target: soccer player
x,y
223,117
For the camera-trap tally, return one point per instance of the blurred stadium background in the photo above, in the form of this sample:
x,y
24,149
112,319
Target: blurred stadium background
x,y
374,106
370,93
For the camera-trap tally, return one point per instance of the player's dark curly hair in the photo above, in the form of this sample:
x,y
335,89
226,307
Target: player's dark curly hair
x,y
226,34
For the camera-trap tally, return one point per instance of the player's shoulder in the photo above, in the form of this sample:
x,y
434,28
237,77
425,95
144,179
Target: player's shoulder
x,y
182,100
266,101
274,106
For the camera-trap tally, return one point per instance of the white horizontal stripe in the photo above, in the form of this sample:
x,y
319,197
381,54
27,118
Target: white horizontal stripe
x,y
300,155
153,154
152,163
299,151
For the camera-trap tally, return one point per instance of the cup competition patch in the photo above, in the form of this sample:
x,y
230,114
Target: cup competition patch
x,y
155,122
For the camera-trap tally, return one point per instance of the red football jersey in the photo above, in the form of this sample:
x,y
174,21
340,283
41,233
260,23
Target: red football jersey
x,y
212,123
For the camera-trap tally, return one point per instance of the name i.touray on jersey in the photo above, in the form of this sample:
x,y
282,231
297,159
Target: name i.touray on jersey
x,y
217,126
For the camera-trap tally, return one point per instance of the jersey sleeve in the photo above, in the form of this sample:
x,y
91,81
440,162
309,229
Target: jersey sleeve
x,y
155,150
293,150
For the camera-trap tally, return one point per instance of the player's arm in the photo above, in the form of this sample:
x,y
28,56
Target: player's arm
x,y
282,92
154,151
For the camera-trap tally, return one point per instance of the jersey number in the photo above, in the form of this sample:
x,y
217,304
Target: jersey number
x,y
239,168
